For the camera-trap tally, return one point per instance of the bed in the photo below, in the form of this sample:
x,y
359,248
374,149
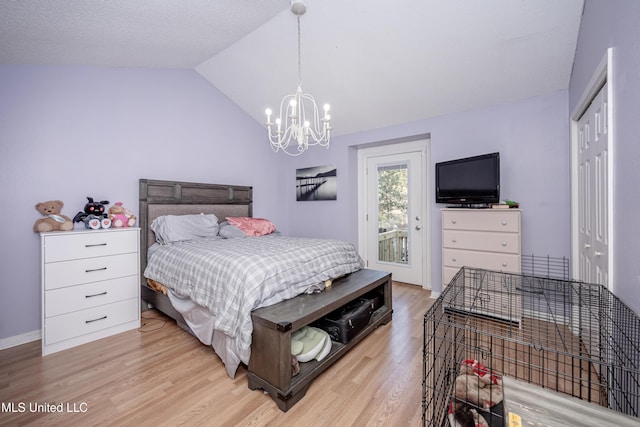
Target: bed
x,y
220,315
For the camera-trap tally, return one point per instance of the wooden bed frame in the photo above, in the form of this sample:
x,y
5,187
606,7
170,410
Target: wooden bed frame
x,y
181,198
270,362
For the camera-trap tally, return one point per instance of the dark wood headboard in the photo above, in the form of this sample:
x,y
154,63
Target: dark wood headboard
x,y
159,198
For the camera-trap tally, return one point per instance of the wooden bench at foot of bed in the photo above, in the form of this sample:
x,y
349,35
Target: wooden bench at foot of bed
x,y
270,363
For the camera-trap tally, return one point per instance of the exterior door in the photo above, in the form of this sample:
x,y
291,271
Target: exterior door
x,y
395,224
593,173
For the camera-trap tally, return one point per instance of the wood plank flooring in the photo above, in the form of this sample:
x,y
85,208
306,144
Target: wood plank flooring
x,y
160,375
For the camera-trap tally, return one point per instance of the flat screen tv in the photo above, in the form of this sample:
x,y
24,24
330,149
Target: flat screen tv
x,y
472,181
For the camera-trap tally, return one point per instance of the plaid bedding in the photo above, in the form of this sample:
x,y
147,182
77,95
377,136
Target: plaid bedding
x,y
232,277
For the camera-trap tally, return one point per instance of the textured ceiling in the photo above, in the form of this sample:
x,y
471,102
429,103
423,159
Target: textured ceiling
x,y
126,33
378,63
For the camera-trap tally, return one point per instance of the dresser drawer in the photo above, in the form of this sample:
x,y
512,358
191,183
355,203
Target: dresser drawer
x,y
490,261
75,245
76,298
486,220
448,274
481,241
78,323
69,273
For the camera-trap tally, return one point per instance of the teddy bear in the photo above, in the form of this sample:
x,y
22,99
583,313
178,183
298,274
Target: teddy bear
x,y
94,216
121,216
52,219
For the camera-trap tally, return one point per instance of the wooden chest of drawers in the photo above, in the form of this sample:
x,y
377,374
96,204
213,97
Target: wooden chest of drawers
x,y
482,238
90,285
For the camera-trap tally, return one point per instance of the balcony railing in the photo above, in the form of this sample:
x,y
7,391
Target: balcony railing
x,y
392,246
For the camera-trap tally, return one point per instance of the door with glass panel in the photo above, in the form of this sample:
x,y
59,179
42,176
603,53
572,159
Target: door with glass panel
x,y
394,217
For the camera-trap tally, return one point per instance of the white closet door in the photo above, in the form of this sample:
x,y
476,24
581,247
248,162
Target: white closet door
x,y
593,151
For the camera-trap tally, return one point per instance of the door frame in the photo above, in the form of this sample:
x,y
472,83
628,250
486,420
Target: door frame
x,y
423,144
603,74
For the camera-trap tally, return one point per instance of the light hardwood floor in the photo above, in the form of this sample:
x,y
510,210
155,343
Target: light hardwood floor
x,y
160,375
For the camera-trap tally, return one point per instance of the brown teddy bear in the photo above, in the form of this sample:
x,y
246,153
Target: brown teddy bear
x,y
52,219
121,216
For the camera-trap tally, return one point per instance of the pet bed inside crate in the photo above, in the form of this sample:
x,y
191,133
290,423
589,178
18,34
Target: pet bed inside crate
x,y
565,336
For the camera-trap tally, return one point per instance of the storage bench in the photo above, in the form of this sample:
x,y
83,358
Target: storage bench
x,y
270,363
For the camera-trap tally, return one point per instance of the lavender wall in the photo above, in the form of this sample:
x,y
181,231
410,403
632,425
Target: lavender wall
x,y
604,25
532,136
71,132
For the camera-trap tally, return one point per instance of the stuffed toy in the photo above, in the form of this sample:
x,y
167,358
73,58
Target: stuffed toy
x,y
52,219
94,216
121,216
476,389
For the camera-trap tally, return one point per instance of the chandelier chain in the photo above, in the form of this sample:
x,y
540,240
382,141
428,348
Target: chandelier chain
x,y
299,55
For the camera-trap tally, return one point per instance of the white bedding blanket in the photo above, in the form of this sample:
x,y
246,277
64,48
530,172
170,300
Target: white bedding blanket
x,y
232,277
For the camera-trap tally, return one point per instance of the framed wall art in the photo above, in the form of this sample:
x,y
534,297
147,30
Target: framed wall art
x,y
316,183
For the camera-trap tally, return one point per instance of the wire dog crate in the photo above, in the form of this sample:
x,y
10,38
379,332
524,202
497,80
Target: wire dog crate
x,y
553,334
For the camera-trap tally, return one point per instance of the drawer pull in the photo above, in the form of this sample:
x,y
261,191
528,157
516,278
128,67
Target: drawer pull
x,y
453,221
504,264
95,269
504,243
95,244
454,259
96,295
504,222
453,240
95,320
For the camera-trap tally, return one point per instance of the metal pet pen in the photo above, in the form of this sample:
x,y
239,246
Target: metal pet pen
x,y
548,334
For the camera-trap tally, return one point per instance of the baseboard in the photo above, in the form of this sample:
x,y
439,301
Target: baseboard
x,y
20,339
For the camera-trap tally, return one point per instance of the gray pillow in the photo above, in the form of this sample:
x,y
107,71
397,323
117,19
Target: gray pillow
x,y
229,231
178,228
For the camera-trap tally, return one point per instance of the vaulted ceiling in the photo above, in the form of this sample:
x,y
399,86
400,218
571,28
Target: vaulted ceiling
x,y
378,63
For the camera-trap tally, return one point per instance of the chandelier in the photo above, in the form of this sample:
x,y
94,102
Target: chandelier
x,y
299,124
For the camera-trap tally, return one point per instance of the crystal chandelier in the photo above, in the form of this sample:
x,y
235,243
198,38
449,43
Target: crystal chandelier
x,y
299,124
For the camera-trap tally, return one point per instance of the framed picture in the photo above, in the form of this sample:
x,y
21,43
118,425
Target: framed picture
x,y
316,183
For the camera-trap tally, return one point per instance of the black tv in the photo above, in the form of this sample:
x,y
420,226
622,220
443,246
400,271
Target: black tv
x,y
471,181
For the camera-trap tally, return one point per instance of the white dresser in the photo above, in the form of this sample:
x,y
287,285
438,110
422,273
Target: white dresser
x,y
487,239
482,238
90,285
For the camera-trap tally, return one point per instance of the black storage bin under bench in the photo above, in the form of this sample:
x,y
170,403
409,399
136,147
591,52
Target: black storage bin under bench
x,y
346,322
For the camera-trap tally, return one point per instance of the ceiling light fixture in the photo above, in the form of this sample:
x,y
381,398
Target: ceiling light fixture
x,y
299,124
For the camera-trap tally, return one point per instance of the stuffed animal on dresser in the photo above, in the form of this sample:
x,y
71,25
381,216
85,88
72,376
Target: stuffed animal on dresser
x,y
52,219
94,216
121,216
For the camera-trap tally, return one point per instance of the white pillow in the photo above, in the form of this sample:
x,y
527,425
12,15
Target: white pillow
x,y
178,228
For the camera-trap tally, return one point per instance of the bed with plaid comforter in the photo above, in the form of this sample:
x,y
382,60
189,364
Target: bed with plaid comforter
x,y
232,277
